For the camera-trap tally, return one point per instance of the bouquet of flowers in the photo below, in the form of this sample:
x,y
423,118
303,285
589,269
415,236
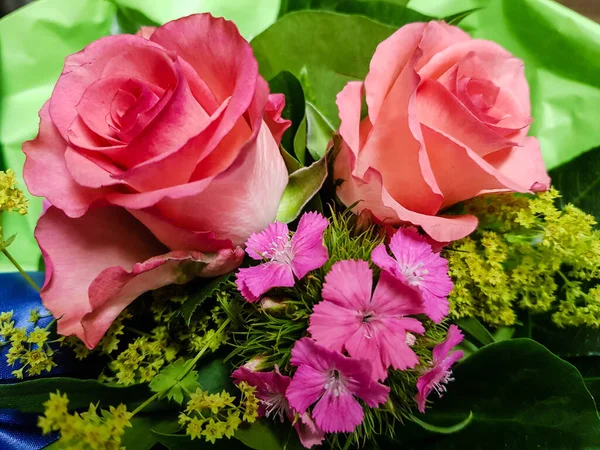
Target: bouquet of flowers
x,y
341,234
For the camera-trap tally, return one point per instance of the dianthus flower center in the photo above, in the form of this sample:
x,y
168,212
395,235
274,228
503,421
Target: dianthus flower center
x,y
335,383
281,250
414,274
439,386
275,404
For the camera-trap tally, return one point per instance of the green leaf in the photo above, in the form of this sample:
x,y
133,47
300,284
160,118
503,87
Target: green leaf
x,y
579,182
215,377
302,186
35,41
474,327
318,133
568,342
522,397
300,142
287,84
323,50
206,290
5,243
392,12
455,19
141,436
174,380
504,333
443,430
29,396
130,20
259,436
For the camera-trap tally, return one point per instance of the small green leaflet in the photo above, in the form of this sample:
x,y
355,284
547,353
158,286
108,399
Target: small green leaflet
x,y
205,291
174,380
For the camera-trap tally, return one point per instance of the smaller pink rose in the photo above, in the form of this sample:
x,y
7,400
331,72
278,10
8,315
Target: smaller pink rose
x,y
447,121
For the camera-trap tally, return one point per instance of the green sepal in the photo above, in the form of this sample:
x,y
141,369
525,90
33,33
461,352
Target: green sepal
x,y
302,186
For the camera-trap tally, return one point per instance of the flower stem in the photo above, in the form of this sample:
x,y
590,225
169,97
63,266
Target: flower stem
x,y
203,349
20,269
146,403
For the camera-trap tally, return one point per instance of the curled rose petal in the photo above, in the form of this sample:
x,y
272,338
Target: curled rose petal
x,y
99,263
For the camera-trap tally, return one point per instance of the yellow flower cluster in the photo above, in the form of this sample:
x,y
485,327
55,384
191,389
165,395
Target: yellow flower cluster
x,y
11,197
31,350
527,253
85,431
215,416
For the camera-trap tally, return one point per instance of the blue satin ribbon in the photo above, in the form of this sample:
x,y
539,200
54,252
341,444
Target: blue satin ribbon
x,y
19,431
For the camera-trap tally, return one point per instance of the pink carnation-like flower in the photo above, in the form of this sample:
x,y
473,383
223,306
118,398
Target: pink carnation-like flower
x,y
443,359
270,390
285,256
332,381
415,264
368,326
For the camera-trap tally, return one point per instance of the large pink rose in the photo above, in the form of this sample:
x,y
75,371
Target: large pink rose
x,y
159,154
447,120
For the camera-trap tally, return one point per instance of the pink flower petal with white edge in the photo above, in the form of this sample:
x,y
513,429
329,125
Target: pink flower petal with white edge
x,y
307,244
97,264
252,282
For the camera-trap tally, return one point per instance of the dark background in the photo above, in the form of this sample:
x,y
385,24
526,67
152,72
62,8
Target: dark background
x,y
590,8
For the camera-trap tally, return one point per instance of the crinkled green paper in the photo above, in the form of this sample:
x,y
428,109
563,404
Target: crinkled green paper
x,y
561,50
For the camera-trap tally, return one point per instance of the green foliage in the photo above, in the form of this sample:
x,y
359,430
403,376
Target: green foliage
x,y
175,380
527,254
443,430
521,396
392,12
287,84
473,327
579,182
350,237
302,186
30,395
206,290
324,50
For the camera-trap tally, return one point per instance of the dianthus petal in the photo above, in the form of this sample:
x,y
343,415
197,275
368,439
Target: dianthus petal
x,y
332,325
253,282
349,284
308,384
307,244
340,413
